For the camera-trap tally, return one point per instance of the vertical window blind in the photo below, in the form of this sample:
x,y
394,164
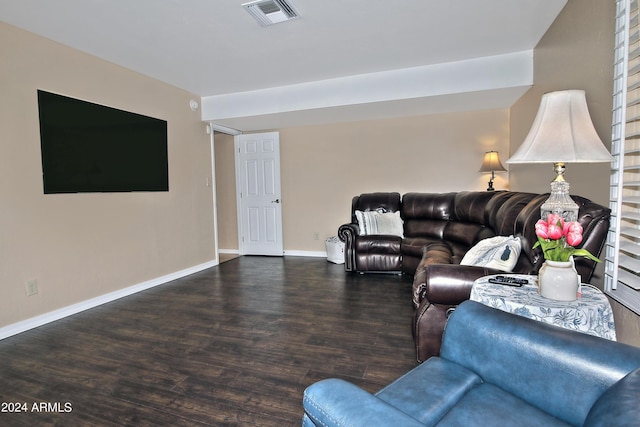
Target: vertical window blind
x,y
622,251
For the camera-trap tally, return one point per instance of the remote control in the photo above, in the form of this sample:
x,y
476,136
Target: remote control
x,y
509,281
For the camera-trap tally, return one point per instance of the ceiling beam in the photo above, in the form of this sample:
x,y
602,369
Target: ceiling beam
x,y
381,93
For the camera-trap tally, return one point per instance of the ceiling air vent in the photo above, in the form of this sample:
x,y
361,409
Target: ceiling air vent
x,y
269,12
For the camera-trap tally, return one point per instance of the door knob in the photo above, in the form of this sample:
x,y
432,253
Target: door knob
x,y
275,201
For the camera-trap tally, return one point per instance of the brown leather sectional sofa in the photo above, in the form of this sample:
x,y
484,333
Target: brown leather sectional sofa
x,y
439,228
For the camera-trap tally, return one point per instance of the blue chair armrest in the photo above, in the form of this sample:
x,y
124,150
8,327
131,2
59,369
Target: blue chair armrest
x,y
618,406
334,402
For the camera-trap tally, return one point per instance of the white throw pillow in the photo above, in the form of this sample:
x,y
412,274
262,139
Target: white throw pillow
x,y
498,252
374,222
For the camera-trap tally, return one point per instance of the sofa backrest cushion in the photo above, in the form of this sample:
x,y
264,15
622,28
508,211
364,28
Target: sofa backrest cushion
x,y
515,213
385,202
467,226
428,205
466,233
503,211
435,215
524,227
470,206
427,214
559,371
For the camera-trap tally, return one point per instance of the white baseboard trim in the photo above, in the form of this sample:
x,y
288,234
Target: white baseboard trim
x,y
52,316
318,254
229,251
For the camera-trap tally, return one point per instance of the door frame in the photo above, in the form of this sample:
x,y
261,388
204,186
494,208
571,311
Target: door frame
x,y
211,129
212,144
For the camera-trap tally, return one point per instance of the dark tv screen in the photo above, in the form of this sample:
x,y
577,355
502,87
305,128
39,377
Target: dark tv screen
x,y
90,148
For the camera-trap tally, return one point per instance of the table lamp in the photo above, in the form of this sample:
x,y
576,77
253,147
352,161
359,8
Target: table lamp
x,y
491,163
562,132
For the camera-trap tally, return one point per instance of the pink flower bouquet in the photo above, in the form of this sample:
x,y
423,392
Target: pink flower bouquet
x,y
558,238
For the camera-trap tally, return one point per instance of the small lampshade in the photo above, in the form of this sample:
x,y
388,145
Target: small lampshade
x,y
562,132
491,162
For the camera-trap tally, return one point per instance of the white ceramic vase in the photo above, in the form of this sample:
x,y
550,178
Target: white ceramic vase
x,y
559,280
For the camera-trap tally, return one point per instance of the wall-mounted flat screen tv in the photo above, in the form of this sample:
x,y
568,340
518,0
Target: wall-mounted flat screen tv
x,y
90,148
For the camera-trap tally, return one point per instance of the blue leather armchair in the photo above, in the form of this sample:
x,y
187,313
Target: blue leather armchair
x,y
496,369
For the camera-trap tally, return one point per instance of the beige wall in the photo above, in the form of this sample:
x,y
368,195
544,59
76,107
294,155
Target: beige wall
x,y
81,246
323,167
576,53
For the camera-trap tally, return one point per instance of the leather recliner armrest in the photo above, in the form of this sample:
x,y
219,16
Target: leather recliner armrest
x,y
432,254
446,283
450,284
347,233
444,287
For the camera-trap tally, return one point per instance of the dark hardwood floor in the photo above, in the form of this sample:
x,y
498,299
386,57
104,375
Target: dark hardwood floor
x,y
234,345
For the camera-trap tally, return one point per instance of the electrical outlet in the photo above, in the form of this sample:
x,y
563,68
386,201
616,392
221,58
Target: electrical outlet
x,y
316,236
32,287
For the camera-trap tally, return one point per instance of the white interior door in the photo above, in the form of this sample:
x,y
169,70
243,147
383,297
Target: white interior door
x,y
259,200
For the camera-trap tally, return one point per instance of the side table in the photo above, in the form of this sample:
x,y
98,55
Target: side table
x,y
591,313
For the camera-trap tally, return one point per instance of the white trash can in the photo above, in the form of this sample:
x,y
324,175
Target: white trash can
x,y
335,250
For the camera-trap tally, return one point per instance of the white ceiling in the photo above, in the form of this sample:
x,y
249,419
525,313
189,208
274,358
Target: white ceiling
x,y
217,51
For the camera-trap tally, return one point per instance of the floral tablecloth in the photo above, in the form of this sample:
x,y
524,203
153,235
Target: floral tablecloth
x,y
591,313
